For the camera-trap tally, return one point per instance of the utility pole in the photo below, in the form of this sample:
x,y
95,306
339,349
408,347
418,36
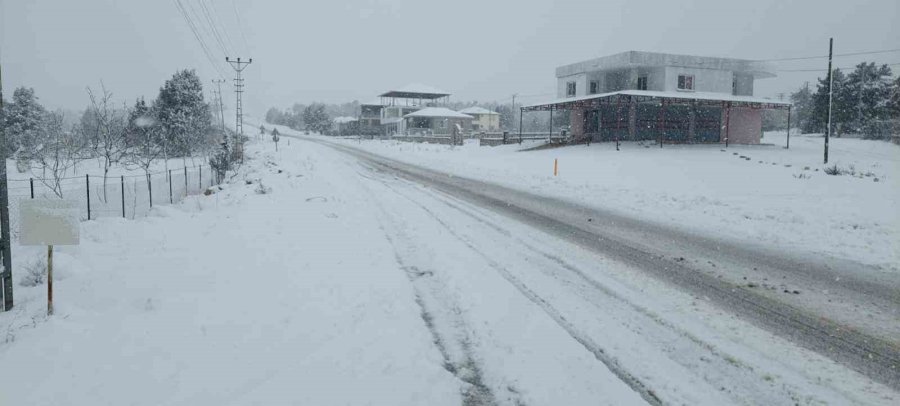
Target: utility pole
x,y
830,86
512,111
6,283
221,105
238,67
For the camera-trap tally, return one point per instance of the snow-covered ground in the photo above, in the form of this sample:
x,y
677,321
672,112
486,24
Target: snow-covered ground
x,y
765,194
290,297
312,279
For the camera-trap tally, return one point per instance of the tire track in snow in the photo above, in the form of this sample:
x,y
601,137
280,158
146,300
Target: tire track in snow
x,y
720,368
599,353
874,357
458,361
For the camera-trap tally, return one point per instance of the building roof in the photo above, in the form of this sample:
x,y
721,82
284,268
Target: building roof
x,y
437,112
706,98
634,59
344,119
416,91
375,102
478,110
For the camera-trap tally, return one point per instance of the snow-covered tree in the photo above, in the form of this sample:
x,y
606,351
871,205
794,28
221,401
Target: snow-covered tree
x,y
23,121
316,118
183,115
144,136
109,136
803,109
54,153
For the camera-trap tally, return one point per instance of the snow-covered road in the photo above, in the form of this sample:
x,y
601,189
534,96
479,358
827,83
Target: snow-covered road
x,y
347,282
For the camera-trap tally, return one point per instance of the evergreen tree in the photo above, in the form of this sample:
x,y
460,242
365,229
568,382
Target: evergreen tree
x,y
23,121
840,112
894,101
803,109
183,115
866,95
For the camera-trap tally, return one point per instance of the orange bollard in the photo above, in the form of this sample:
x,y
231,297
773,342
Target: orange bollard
x,y
555,166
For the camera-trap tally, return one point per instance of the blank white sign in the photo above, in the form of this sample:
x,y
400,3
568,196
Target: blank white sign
x,y
48,222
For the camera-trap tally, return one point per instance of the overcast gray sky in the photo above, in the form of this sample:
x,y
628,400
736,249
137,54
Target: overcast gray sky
x,y
337,51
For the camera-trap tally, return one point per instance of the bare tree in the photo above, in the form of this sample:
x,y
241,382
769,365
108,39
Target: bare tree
x,y
147,143
54,153
109,137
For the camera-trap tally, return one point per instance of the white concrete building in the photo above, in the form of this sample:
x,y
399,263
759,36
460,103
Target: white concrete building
x,y
665,97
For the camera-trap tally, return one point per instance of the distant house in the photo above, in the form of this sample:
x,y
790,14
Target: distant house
x,y
484,119
370,117
344,125
396,104
436,121
665,97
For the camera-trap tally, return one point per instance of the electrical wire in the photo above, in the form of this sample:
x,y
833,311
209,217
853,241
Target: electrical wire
x,y
826,69
203,46
801,58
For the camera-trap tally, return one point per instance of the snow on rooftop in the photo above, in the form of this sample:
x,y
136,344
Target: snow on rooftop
x,y
437,112
415,90
344,119
478,110
673,95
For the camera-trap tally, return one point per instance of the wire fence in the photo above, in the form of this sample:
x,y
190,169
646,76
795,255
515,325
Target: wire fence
x,y
128,196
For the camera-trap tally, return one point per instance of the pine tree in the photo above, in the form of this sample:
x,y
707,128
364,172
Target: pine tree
x,y
23,121
867,94
803,109
840,111
183,115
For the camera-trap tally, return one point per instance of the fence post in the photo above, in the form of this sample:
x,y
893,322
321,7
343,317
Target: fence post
x,y
123,196
149,191
185,181
87,183
31,181
171,201
201,179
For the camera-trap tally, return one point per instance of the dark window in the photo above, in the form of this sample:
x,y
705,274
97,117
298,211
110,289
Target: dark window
x,y
570,89
685,82
642,83
595,87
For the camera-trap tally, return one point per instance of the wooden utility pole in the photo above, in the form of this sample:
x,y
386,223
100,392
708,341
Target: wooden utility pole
x,y
830,86
6,283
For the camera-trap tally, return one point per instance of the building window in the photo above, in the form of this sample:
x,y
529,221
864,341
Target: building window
x,y
642,83
595,87
570,89
685,82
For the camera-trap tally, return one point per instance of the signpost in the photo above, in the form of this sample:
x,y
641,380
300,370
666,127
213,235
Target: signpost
x,y
48,222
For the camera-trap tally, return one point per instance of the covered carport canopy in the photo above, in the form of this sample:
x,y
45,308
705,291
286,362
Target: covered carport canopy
x,y
645,96
695,118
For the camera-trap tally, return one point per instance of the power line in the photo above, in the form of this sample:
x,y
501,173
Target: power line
x,y
212,6
199,38
800,58
215,28
240,26
826,70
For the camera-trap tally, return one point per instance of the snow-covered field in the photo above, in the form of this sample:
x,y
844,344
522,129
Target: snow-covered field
x,y
765,194
310,279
